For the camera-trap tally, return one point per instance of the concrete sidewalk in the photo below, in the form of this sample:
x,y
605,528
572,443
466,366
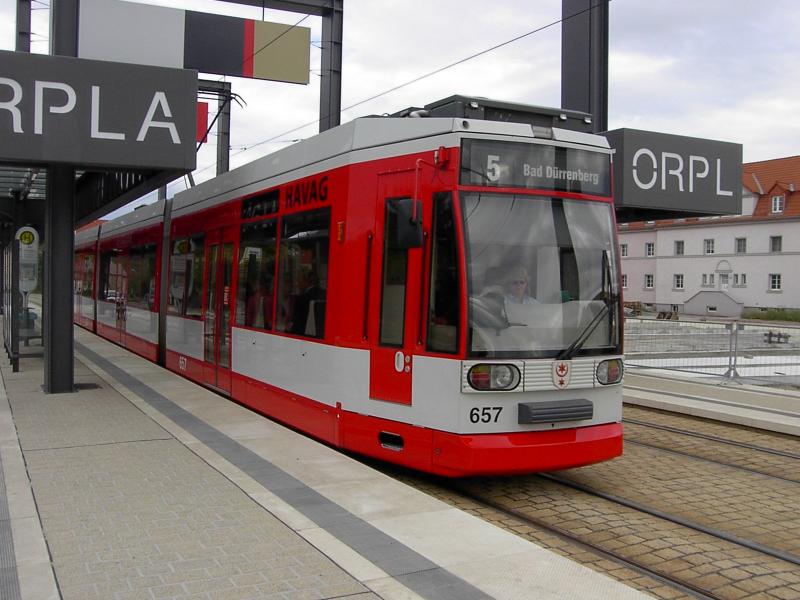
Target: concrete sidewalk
x,y
148,486
767,408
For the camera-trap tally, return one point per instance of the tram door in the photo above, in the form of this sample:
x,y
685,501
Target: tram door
x,y
394,298
218,305
115,292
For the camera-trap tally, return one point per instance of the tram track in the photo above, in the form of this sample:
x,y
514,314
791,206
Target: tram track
x,y
722,535
661,577
710,460
712,438
685,581
694,508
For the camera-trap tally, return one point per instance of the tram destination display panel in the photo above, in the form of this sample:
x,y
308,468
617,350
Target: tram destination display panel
x,y
535,166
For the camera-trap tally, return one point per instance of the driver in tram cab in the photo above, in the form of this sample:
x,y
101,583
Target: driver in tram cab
x,y
516,286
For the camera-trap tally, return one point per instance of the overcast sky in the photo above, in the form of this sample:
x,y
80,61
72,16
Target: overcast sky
x,y
720,69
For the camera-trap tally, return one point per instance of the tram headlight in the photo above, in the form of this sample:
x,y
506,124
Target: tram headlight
x,y
493,377
610,371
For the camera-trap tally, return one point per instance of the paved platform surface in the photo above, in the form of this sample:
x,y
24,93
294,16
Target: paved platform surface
x,y
773,409
142,485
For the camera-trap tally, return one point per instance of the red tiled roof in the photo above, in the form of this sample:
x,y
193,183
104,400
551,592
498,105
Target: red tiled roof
x,y
777,177
769,172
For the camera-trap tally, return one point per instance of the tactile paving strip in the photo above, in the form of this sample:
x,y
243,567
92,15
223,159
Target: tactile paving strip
x,y
9,581
401,562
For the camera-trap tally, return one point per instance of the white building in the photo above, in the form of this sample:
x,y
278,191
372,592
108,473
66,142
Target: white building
x,y
722,265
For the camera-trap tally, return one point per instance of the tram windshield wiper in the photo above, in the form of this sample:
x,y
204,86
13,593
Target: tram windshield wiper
x,y
609,300
579,341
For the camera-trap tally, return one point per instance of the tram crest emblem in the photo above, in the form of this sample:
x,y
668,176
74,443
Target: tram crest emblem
x,y
562,372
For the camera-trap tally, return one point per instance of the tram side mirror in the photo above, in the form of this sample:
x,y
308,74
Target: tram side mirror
x,y
407,226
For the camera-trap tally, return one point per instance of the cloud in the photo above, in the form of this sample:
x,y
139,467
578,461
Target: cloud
x,y
723,69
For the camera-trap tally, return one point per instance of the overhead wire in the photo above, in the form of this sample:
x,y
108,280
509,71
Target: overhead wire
x,y
425,76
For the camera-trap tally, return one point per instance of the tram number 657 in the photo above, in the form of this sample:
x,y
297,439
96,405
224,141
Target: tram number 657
x,y
488,414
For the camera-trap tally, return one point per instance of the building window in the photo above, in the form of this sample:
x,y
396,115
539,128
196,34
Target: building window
x,y
677,281
711,279
624,281
705,279
623,249
743,279
650,249
774,282
741,245
711,309
775,243
777,204
708,246
675,308
648,281
678,247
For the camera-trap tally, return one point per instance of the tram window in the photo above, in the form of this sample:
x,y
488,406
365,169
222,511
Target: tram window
x,y
302,280
186,276
393,285
444,291
254,300
142,277
84,275
113,277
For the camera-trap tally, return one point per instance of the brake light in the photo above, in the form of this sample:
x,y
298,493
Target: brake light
x,y
494,377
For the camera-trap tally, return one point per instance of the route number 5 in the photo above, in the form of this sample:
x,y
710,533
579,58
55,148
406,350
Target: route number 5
x,y
493,167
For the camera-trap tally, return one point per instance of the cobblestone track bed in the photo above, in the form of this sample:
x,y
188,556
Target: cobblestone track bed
x,y
698,560
771,454
752,507
770,440
541,535
533,507
746,505
751,461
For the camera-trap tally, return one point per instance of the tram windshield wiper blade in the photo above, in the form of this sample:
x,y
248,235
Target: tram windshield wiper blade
x,y
579,341
609,300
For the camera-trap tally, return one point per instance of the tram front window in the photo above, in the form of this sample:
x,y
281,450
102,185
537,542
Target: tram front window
x,y
543,276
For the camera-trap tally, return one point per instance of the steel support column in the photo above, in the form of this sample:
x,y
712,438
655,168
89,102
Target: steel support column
x,y
223,124
59,220
23,26
57,296
330,92
584,59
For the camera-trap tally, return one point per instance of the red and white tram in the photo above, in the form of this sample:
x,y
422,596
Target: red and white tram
x,y
440,293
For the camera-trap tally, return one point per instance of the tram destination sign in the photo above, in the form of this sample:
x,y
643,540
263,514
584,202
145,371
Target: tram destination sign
x,y
535,166
56,109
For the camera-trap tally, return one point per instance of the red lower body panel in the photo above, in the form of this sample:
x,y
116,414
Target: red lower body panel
x,y
420,448
525,452
455,455
133,343
84,322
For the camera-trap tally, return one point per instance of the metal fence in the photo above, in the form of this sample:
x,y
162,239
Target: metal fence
x,y
757,353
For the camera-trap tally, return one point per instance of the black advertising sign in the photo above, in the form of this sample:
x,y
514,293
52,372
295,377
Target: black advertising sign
x,y
56,109
535,166
677,173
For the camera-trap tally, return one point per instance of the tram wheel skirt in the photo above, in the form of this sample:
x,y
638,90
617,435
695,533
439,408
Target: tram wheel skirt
x,y
454,455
